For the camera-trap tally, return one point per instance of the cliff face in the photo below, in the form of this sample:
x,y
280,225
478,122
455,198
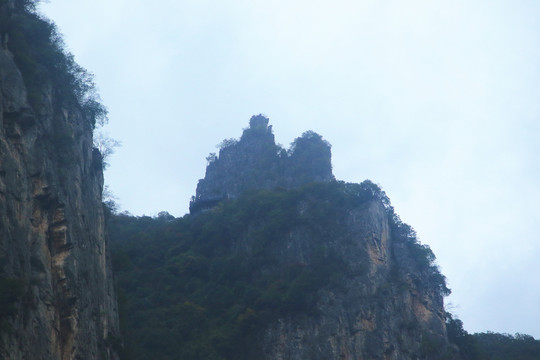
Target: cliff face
x,y
256,162
383,309
59,301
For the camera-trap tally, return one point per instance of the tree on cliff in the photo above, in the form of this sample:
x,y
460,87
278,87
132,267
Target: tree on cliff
x,y
41,55
213,294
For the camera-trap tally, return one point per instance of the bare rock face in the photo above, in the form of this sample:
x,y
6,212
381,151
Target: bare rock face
x,y
383,309
256,162
55,276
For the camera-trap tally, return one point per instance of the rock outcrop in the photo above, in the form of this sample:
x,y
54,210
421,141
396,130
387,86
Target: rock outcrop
x,y
256,162
55,276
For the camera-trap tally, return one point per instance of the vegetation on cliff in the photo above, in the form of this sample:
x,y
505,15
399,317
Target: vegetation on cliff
x,y
490,345
188,292
41,55
56,288
208,285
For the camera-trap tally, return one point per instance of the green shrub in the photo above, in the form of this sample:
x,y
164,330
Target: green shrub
x,y
217,278
42,58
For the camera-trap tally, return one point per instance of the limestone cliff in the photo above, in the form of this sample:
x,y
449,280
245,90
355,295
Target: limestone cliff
x,y
385,308
58,295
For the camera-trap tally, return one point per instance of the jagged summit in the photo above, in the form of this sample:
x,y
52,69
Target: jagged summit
x,y
256,162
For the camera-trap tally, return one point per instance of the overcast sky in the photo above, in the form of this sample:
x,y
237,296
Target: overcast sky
x,y
436,101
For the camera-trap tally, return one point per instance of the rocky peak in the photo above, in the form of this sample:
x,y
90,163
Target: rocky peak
x,y
259,122
256,162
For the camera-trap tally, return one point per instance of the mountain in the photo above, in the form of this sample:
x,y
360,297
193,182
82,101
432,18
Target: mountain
x,y
256,162
57,298
278,260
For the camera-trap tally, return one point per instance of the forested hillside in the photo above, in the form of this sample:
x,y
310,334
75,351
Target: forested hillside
x,y
491,345
278,260
207,286
186,294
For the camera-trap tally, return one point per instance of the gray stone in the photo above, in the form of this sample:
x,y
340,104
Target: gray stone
x,y
379,312
52,230
256,162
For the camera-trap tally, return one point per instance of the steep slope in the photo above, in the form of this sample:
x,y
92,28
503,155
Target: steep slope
x,y
380,313
57,295
309,270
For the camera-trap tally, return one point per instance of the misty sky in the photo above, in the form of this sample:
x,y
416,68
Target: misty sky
x,y
436,101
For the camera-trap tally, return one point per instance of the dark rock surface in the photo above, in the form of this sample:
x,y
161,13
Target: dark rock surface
x,y
52,235
378,312
256,162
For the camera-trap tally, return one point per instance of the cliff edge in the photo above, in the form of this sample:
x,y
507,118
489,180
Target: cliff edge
x,y
57,297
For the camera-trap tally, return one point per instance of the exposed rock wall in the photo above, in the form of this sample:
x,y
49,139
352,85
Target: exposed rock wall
x,y
52,235
256,162
379,312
